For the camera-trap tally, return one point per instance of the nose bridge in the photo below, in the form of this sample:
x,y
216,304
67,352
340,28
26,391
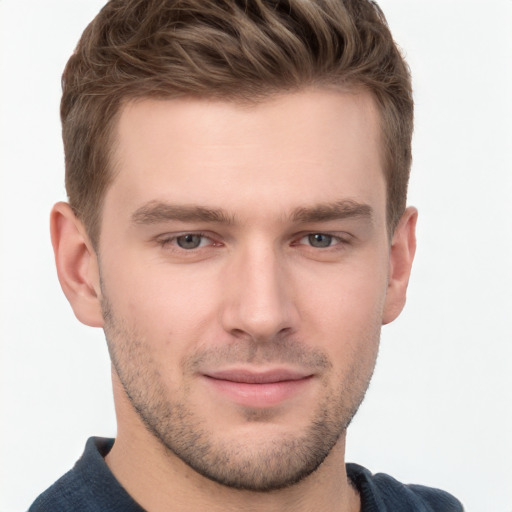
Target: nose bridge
x,y
258,300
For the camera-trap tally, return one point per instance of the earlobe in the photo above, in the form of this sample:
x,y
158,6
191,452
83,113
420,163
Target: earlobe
x,y
403,248
77,265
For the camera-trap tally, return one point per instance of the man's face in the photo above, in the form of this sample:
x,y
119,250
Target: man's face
x,y
244,264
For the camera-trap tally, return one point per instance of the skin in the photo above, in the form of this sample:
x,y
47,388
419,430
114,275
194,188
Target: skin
x,y
294,274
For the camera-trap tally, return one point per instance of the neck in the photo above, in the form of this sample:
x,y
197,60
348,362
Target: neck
x,y
160,481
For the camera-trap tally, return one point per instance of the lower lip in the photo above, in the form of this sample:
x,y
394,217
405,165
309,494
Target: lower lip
x,y
259,395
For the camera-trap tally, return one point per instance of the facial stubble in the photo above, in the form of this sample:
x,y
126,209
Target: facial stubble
x,y
268,464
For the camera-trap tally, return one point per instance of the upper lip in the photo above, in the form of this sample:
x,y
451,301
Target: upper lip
x,y
257,376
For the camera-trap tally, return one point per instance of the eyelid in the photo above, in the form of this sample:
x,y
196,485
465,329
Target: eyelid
x,y
167,239
342,237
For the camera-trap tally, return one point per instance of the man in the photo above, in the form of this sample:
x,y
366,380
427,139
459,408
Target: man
x,y
237,176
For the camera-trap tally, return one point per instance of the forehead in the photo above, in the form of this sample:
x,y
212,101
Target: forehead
x,y
287,151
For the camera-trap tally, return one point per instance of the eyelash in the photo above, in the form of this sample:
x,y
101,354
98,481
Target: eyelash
x,y
339,240
168,240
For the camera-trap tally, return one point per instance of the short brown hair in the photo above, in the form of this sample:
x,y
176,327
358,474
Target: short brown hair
x,y
227,49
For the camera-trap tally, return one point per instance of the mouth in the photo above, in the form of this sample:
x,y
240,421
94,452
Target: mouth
x,y
258,389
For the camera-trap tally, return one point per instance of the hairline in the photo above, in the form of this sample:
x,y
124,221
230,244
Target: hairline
x,y
112,160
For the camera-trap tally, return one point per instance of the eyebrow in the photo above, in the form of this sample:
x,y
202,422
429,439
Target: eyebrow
x,y
332,211
156,212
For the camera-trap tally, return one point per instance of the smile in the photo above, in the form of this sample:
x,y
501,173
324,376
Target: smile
x,y
258,389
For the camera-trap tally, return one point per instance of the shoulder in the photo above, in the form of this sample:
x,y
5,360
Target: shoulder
x,y
65,494
88,487
381,493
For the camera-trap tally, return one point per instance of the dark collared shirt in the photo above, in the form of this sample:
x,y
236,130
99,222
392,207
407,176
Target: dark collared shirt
x,y
91,487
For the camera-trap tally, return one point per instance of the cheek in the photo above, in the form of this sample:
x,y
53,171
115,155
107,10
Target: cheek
x,y
343,314
166,305
349,296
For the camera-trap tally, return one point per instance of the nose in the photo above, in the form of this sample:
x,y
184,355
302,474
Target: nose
x,y
258,296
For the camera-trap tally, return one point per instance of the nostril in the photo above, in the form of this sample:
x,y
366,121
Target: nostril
x,y
261,337
285,332
240,334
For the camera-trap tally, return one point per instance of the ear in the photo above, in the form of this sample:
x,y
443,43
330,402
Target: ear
x,y
77,265
403,247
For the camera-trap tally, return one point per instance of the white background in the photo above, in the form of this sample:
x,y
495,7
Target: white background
x,y
439,410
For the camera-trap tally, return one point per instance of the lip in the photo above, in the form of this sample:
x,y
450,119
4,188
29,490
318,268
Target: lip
x,y
258,389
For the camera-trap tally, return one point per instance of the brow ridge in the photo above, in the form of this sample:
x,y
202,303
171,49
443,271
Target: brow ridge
x,y
332,211
155,212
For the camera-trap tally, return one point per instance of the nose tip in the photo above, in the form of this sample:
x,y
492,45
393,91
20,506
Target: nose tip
x,y
258,302
260,326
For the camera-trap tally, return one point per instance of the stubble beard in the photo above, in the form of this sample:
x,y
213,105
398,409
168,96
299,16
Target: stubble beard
x,y
269,464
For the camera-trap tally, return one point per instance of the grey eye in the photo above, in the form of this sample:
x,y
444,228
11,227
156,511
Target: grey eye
x,y
320,240
189,241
